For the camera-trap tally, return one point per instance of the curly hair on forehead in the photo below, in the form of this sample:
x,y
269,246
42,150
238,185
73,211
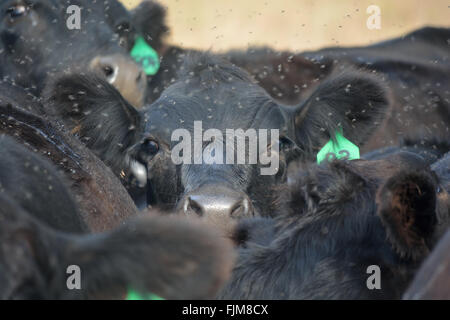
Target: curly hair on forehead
x,y
209,69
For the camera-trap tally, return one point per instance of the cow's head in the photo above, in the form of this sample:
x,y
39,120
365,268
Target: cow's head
x,y
210,177
41,38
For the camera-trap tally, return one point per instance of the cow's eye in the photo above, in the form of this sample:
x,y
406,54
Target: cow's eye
x,y
17,10
149,147
284,142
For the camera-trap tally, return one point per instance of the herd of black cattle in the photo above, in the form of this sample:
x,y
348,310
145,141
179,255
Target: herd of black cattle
x,y
86,176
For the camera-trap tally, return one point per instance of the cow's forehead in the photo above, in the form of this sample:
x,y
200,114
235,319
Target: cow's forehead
x,y
183,112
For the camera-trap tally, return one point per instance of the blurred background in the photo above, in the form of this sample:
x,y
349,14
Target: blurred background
x,y
293,24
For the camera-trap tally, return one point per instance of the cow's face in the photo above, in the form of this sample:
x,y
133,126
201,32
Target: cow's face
x,y
213,99
38,41
204,145
215,144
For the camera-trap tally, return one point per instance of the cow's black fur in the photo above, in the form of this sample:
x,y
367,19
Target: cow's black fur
x,y
102,200
33,183
174,259
429,149
336,220
98,114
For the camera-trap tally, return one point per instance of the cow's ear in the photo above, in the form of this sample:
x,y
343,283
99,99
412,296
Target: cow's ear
x,y
149,18
96,112
170,257
120,20
407,208
354,102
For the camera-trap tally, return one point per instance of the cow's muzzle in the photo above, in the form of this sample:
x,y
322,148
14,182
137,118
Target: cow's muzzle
x,y
217,204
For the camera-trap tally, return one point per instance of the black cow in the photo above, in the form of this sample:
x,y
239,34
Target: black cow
x,y
36,44
222,96
104,203
340,225
173,259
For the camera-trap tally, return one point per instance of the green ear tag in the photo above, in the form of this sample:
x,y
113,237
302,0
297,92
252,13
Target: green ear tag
x,y
133,295
146,56
342,149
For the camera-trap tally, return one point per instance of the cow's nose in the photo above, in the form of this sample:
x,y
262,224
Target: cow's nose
x,y
217,203
124,74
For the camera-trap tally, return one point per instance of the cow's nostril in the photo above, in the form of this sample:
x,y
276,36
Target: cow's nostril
x,y
191,206
139,77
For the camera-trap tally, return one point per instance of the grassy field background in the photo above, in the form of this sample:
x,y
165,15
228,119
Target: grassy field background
x,y
293,24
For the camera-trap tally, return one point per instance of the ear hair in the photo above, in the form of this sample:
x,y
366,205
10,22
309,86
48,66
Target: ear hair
x,y
334,184
407,209
95,111
354,102
149,17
